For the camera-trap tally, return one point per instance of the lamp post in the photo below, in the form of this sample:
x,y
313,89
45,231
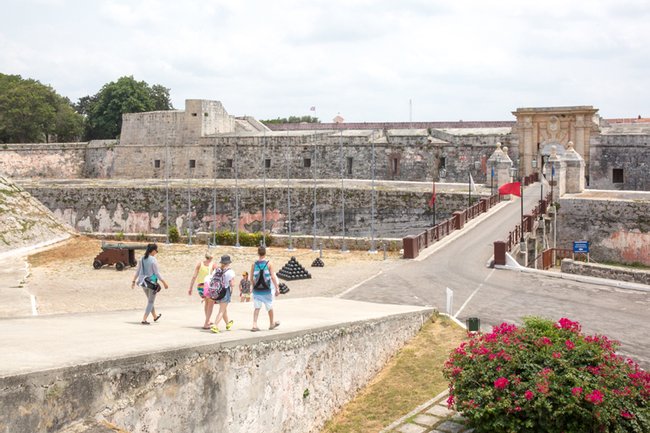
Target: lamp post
x,y
344,247
264,191
167,193
189,203
288,163
372,250
313,174
237,245
214,196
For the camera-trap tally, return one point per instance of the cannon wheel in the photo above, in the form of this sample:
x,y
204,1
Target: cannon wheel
x,y
119,266
97,264
134,263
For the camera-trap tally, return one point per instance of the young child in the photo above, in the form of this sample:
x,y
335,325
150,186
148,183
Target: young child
x,y
244,288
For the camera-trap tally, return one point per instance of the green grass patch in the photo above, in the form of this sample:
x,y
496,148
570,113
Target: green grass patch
x,y
412,377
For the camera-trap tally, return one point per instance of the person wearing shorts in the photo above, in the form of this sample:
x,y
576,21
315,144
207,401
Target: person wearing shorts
x,y
228,279
263,297
244,288
203,269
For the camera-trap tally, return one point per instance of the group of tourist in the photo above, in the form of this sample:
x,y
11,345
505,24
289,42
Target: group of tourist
x,y
215,285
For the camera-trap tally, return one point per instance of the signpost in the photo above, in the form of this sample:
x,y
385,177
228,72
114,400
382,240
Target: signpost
x,y
581,247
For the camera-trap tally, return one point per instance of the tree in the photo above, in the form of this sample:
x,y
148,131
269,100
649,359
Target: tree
x,y
33,112
104,110
293,119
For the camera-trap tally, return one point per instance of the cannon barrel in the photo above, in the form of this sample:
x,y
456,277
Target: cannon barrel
x,y
123,246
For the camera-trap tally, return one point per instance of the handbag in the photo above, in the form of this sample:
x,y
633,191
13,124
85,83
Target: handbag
x,y
152,283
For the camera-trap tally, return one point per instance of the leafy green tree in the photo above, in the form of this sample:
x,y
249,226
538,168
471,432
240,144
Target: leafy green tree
x,y
293,119
33,112
104,110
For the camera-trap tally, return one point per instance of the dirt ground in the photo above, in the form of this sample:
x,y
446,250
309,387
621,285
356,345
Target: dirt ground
x,y
64,281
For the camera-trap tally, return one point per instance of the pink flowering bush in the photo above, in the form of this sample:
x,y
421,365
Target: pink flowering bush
x,y
547,377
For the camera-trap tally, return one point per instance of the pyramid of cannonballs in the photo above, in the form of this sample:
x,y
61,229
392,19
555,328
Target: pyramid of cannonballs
x,y
318,263
293,271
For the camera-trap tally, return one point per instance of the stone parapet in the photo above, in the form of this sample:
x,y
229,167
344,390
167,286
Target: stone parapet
x,y
603,271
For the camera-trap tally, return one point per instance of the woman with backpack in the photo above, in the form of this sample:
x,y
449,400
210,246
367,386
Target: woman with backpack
x,y
148,277
219,286
265,285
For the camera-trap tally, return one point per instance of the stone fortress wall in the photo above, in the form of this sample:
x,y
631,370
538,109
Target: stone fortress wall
x,y
122,207
204,141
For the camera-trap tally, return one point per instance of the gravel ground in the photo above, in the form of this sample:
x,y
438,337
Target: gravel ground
x,y
63,280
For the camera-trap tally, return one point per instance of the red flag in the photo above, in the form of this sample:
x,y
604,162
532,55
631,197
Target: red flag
x,y
513,188
433,196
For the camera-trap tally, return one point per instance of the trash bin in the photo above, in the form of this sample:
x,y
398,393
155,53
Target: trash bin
x,y
473,324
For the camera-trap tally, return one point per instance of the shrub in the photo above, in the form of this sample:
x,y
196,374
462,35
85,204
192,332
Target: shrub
x,y
547,377
173,234
245,239
119,236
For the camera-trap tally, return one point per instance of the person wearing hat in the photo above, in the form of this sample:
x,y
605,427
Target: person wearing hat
x,y
202,269
228,279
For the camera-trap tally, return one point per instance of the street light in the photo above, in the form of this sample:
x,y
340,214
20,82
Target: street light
x,y
522,242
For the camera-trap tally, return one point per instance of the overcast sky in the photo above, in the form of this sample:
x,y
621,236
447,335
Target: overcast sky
x,y
460,59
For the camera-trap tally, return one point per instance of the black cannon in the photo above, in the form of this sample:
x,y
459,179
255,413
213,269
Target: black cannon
x,y
121,255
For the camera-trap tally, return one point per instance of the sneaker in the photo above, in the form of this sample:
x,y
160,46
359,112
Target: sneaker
x,y
229,325
214,329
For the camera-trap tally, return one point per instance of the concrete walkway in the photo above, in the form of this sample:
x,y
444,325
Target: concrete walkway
x,y
431,417
40,343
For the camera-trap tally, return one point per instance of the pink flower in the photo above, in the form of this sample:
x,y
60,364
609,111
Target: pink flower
x,y
542,387
567,324
450,401
501,383
596,397
576,391
544,341
529,395
569,344
557,355
627,415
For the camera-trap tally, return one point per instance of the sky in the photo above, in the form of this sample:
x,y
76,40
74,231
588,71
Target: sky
x,y
365,60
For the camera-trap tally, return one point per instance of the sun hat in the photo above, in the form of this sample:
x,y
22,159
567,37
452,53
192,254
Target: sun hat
x,y
225,260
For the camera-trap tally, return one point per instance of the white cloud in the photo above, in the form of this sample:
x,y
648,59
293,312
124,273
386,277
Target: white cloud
x,y
466,59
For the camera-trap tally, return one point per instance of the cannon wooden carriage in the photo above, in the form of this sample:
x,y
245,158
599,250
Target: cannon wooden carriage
x,y
121,255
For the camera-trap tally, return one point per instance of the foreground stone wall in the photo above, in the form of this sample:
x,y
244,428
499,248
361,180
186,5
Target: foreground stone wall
x,y
289,385
617,225
602,271
140,207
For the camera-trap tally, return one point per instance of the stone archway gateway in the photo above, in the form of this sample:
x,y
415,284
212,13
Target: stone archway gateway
x,y
537,129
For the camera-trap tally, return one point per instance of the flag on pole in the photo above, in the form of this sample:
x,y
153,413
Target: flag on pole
x,y
513,188
472,186
312,108
433,196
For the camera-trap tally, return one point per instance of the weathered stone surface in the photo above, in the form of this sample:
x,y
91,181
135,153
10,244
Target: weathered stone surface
x,y
617,225
24,220
411,428
139,207
426,420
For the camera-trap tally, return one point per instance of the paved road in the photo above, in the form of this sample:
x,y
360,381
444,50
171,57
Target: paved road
x,y
498,295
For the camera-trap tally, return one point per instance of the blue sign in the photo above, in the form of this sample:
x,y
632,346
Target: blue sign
x,y
581,246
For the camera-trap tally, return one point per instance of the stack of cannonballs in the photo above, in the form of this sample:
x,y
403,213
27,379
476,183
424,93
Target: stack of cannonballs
x,y
318,263
293,271
283,289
